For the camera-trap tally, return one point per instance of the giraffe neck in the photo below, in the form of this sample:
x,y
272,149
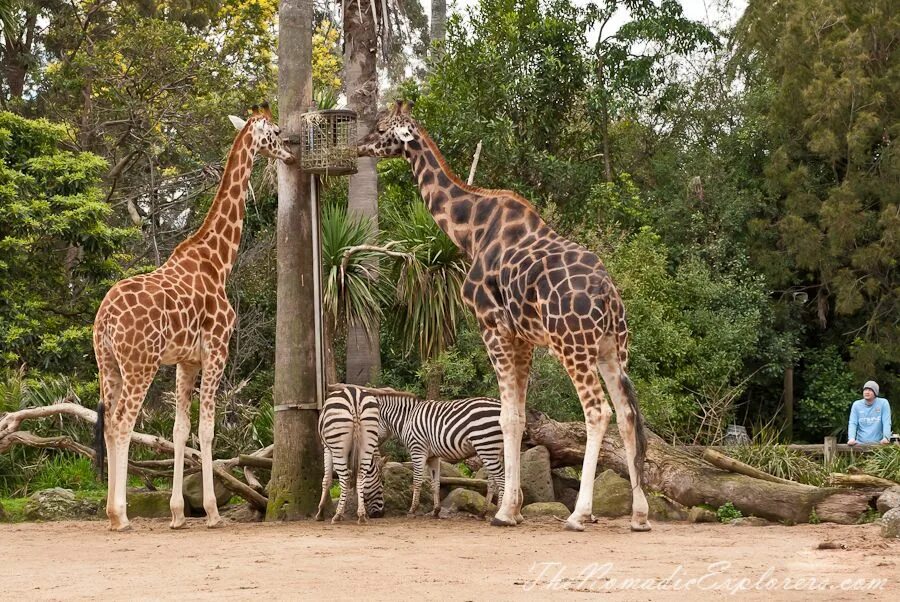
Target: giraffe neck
x,y
449,200
218,238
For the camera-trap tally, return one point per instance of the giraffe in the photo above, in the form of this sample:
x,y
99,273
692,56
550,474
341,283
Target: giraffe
x,y
178,314
528,286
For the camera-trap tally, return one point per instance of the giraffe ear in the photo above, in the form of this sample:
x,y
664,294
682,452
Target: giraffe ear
x,y
406,107
404,134
237,122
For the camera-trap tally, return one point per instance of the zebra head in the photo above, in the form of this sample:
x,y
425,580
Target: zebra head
x,y
373,487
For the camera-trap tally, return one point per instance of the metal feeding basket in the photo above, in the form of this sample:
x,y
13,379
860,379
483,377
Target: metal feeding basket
x,y
328,140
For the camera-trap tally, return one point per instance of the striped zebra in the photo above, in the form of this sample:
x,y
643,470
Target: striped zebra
x,y
348,427
444,430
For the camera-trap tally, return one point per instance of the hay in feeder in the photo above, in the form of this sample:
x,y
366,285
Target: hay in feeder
x,y
328,141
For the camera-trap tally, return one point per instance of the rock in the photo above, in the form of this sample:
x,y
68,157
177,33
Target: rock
x,y
537,484
59,504
398,491
612,495
662,508
449,470
481,473
564,478
147,504
698,514
749,521
242,513
462,500
889,499
193,492
545,509
890,524
568,497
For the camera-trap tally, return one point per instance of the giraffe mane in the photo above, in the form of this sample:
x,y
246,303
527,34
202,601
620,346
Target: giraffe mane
x,y
429,141
229,166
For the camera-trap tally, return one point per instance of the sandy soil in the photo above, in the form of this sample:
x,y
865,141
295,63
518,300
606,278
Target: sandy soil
x,y
450,559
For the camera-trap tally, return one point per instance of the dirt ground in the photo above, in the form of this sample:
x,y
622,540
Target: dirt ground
x,y
450,559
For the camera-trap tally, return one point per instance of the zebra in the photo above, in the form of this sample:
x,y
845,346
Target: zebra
x,y
448,430
348,427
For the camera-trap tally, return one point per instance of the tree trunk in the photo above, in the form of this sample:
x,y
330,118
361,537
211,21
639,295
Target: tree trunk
x,y
361,86
604,121
691,481
297,471
438,26
17,56
788,432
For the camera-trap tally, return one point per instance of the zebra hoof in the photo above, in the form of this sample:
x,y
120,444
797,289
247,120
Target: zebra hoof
x,y
362,520
319,517
336,518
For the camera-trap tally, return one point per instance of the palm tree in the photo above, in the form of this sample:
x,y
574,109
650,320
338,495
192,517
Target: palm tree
x,y
353,291
427,306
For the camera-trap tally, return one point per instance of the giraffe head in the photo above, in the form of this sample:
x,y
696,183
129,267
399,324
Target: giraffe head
x,y
394,128
264,133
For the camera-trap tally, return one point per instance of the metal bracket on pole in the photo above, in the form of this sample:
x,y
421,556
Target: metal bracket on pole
x,y
283,407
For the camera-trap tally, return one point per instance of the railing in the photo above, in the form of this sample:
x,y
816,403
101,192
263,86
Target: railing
x,y
828,450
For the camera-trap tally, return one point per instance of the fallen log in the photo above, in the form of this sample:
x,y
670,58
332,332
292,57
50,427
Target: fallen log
x,y
692,481
254,461
839,479
730,464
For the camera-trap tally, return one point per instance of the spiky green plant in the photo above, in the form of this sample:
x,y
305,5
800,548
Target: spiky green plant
x,y
427,307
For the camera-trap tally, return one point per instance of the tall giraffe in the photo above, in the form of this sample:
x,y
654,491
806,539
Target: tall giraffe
x,y
529,286
177,314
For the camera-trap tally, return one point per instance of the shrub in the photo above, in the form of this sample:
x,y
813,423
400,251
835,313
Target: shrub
x,y
727,513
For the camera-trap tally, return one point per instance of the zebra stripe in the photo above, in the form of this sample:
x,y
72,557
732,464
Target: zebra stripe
x,y
444,430
348,428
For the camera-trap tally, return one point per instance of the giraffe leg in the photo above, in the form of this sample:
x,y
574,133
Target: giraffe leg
x,y
213,367
622,392
326,483
506,353
523,368
434,467
184,386
111,392
419,459
134,389
597,414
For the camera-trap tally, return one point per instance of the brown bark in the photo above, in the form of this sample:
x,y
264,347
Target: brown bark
x,y
297,472
730,464
839,479
363,361
691,481
438,26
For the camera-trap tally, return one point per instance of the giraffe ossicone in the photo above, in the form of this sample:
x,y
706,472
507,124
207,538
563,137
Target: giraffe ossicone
x,y
529,286
177,314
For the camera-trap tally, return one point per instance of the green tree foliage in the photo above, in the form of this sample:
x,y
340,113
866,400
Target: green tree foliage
x,y
58,254
833,169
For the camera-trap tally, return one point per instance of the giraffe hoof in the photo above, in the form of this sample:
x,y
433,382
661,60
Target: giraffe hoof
x,y
499,522
215,524
640,527
520,519
179,524
574,526
123,529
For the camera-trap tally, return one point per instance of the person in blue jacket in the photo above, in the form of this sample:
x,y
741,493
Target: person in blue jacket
x,y
870,418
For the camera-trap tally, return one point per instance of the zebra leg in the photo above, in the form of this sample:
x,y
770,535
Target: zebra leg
x,y
361,517
493,464
418,476
344,480
434,466
326,484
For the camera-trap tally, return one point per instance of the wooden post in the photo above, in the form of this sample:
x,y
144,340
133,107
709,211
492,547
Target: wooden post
x,y
830,450
297,470
788,403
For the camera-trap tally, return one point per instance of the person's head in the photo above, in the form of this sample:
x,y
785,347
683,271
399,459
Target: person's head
x,y
870,391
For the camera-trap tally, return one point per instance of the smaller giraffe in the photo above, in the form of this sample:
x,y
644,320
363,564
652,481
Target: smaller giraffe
x,y
178,314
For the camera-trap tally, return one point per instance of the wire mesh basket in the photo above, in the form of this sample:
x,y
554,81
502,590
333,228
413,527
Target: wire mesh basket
x,y
328,140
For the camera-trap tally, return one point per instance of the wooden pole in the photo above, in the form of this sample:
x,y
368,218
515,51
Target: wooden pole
x,y
788,403
830,450
297,470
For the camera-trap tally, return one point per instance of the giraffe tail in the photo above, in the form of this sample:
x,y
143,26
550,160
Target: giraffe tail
x,y
640,436
100,439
